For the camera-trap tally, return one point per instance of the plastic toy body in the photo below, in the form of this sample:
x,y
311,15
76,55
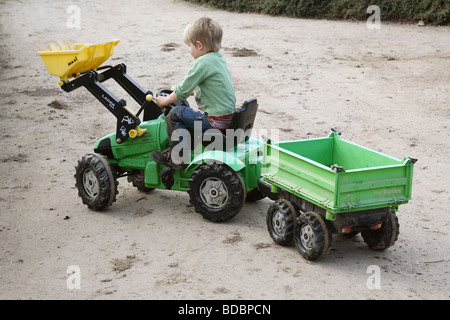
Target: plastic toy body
x,y
134,155
329,185
218,182
338,175
67,60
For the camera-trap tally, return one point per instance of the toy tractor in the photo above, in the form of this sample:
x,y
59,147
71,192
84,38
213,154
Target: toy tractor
x,y
217,180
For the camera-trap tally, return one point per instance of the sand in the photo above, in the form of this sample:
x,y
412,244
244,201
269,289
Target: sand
x,y
385,89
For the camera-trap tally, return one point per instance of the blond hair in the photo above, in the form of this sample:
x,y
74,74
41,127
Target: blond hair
x,y
205,30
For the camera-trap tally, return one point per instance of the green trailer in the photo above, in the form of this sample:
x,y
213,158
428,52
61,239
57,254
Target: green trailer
x,y
329,185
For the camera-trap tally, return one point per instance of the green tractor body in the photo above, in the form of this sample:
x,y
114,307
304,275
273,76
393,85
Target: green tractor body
x,y
134,155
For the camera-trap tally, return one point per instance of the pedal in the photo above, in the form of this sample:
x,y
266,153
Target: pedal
x,y
166,175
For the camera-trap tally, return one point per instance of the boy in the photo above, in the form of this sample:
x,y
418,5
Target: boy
x,y
209,79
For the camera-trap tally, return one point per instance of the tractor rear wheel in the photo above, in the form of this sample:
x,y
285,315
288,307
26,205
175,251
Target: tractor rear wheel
x,y
216,192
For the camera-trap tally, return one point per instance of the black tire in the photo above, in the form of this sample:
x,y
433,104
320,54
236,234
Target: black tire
x,y
216,192
137,179
384,237
96,182
280,221
312,237
254,195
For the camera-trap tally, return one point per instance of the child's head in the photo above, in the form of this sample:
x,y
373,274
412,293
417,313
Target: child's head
x,y
205,30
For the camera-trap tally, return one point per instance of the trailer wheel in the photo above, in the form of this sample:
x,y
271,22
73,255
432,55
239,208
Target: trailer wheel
x,y
96,182
312,237
280,221
137,179
216,192
384,237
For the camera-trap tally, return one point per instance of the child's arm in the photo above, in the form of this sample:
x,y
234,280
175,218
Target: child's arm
x,y
196,74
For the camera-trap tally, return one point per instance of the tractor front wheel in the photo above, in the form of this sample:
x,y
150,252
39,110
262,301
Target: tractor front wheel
x,y
96,182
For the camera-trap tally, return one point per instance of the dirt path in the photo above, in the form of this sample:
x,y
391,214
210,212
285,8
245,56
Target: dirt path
x,y
385,89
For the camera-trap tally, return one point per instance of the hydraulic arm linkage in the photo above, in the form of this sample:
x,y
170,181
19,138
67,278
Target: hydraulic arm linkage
x,y
127,122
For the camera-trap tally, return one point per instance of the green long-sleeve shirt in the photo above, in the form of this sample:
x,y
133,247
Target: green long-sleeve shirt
x,y
209,76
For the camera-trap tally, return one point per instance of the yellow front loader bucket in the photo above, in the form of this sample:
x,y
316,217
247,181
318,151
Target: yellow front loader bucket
x,y
66,59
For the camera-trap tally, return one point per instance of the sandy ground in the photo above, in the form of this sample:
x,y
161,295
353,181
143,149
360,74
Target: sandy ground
x,y
386,89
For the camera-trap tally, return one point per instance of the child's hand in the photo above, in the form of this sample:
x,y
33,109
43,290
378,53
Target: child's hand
x,y
164,101
161,101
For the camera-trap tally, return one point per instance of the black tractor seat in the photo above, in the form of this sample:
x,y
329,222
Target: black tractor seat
x,y
239,129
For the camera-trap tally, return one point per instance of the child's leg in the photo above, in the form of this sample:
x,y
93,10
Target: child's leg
x,y
188,122
185,118
178,120
188,119
174,122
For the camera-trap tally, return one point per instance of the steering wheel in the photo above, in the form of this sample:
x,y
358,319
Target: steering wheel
x,y
167,92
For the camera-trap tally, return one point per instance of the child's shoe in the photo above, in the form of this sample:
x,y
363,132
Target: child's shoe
x,y
165,159
161,157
